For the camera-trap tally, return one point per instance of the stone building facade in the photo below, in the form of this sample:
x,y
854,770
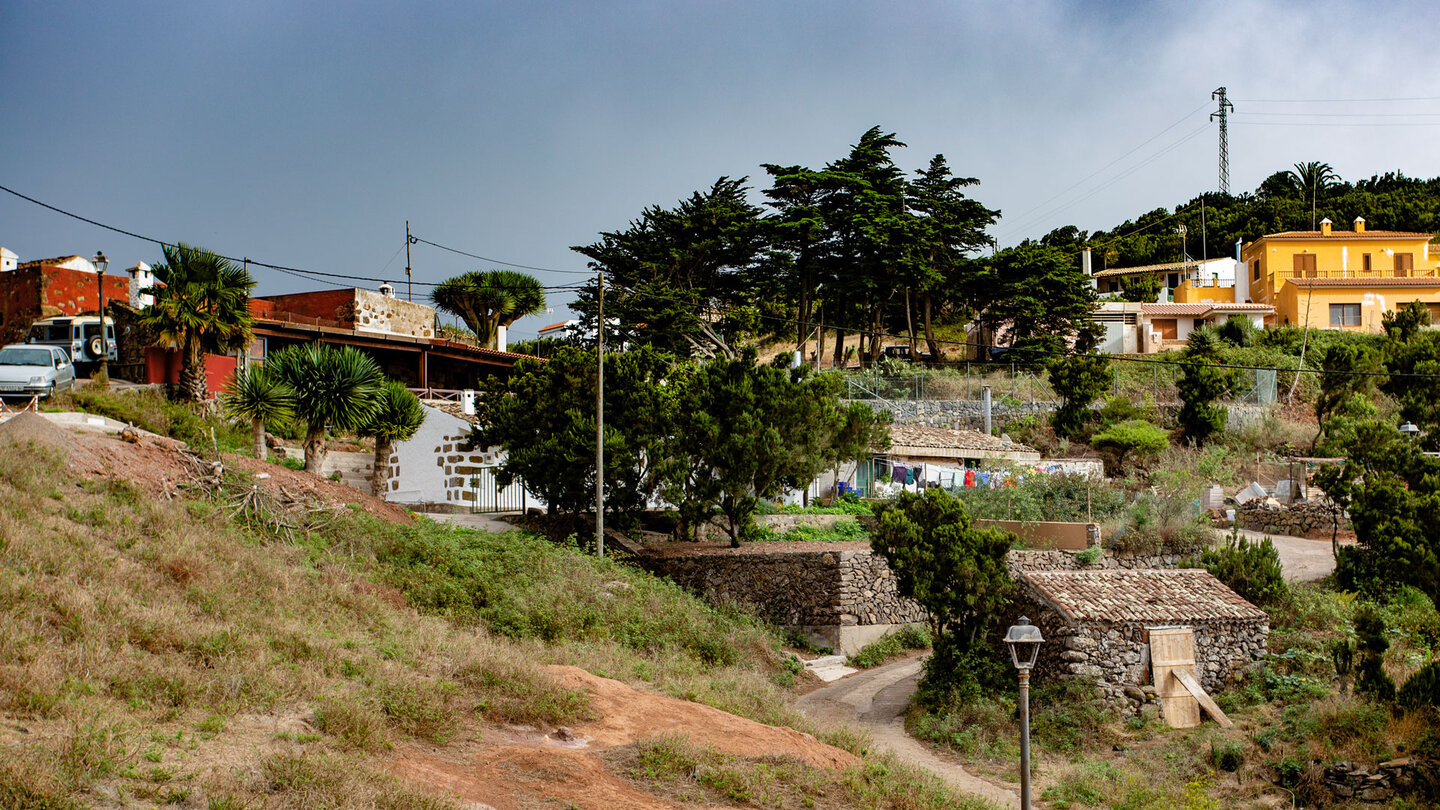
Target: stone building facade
x,y
1096,625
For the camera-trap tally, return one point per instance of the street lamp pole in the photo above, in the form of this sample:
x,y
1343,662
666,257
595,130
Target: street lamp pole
x,y
1024,641
101,265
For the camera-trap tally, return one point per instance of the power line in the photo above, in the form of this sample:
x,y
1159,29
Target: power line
x,y
497,261
1335,100
297,272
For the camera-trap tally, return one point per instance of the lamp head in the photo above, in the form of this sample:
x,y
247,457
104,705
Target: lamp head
x,y
101,263
1024,641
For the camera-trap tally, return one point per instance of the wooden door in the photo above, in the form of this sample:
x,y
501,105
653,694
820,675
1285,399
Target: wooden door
x,y
1173,649
1165,326
1304,265
1404,264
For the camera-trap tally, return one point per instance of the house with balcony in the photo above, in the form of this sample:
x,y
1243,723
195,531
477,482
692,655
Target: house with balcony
x,y
1329,279
1196,281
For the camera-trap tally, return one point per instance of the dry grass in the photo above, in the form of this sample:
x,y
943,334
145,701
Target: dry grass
x,y
155,651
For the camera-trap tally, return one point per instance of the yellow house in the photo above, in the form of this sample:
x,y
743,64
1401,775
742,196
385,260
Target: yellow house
x,y
1331,279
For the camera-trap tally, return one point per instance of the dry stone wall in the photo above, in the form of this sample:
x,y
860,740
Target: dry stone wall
x,y
1297,520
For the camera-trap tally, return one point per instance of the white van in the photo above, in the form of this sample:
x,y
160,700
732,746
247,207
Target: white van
x,y
79,336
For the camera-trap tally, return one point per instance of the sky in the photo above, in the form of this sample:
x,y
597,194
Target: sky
x,y
306,134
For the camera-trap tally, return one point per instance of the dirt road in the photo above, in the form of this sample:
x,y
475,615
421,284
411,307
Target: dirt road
x,y
1302,560
876,699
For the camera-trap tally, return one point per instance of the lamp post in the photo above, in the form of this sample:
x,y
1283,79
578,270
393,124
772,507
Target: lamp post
x,y
1410,429
101,265
1024,640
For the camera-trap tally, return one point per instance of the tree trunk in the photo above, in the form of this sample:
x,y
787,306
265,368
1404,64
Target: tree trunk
x,y
192,370
909,322
380,469
314,449
839,348
930,330
257,437
820,339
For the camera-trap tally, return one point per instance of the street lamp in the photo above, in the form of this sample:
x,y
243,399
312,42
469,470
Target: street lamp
x,y
101,265
1410,429
1024,640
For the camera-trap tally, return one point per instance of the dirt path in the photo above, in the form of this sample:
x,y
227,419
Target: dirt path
x,y
876,699
1302,559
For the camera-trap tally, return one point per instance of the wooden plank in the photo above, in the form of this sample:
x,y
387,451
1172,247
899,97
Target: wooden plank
x,y
1171,650
1202,698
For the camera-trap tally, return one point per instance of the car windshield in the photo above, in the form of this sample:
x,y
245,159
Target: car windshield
x,y
24,357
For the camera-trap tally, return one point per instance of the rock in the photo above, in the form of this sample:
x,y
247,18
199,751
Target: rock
x,y
1135,693
130,434
1074,656
1399,762
1374,794
1150,711
564,734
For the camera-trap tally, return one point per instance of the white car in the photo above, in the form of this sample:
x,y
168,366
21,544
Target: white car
x,y
29,369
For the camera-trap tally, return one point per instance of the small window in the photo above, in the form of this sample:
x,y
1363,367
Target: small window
x,y
1256,263
1344,314
1366,259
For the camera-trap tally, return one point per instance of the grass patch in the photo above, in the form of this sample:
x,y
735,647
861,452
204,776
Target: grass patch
x,y
149,409
893,645
842,531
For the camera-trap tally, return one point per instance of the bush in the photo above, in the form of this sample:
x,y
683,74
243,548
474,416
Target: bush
x,y
1372,681
1227,755
1251,569
892,645
1134,438
1422,688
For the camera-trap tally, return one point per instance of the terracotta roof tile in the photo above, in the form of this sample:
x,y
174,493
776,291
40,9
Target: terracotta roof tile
x,y
1147,268
1193,310
951,439
1372,281
1175,596
1368,234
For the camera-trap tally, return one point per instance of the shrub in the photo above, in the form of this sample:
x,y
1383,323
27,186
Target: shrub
x,y
1227,755
1422,688
1251,569
1372,681
892,645
1132,438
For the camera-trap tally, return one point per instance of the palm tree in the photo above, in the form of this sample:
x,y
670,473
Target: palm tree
x,y
259,396
489,299
201,303
1312,178
339,388
400,414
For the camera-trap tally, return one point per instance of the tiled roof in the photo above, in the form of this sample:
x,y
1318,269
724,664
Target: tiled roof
x,y
1147,268
58,260
1175,596
1368,234
1374,281
1192,310
453,408
1224,307
949,439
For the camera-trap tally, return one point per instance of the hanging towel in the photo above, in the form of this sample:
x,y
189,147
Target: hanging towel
x,y
898,474
969,479
910,476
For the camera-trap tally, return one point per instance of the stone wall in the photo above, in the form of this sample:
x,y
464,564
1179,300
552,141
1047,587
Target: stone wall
x,y
1405,777
956,413
1064,560
1296,520
842,598
1116,655
374,312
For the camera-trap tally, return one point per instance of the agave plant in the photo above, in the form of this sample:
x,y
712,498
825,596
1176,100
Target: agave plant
x,y
339,388
257,395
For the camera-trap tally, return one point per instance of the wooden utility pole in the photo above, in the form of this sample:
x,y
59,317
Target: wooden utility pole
x,y
600,419
409,240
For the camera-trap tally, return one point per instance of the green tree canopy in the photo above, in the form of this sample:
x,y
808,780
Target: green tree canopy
x,y
1130,438
954,569
1078,378
489,299
1201,384
201,303
257,396
338,388
398,415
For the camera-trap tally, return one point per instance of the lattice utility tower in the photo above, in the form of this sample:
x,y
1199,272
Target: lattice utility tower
x,y
1225,109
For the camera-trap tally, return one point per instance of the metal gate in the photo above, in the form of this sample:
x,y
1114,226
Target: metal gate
x,y
484,493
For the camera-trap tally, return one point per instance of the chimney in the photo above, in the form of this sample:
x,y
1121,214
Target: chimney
x,y
1359,225
1086,267
8,260
141,279
387,290
1325,227
985,406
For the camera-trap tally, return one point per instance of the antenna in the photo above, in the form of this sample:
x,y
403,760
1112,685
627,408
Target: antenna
x,y
1222,112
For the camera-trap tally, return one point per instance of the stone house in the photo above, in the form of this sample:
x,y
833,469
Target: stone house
x,y
1097,623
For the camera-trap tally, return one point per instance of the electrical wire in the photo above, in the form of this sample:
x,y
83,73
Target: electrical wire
x,y
297,272
497,261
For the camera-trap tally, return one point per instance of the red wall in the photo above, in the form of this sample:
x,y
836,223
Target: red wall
x,y
325,304
163,366
19,303
73,292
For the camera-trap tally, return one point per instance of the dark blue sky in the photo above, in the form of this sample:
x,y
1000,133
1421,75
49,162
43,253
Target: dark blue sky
x,y
305,134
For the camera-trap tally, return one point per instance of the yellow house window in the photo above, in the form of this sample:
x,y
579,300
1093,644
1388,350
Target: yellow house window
x,y
1344,314
1367,262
